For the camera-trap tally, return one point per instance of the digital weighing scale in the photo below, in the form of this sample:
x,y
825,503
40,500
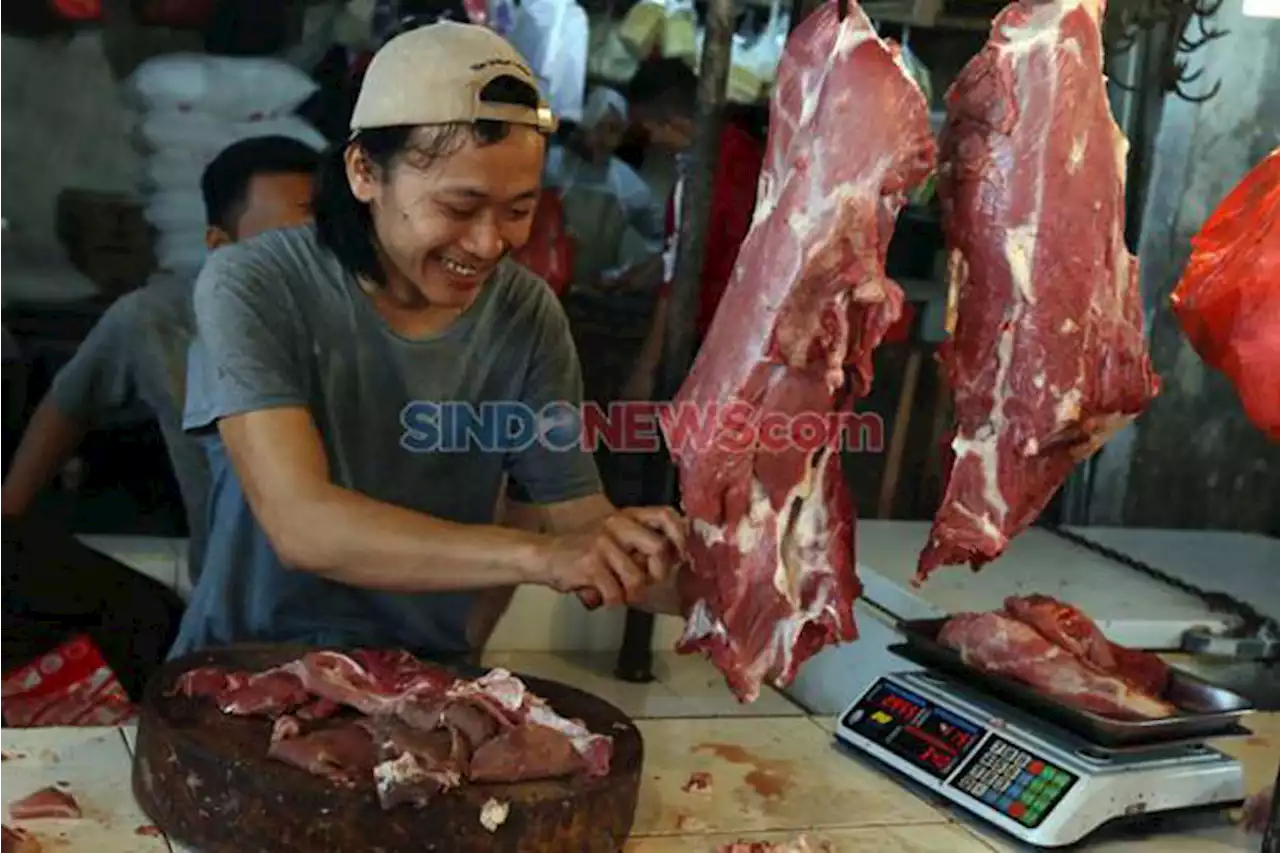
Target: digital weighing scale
x,y
1035,781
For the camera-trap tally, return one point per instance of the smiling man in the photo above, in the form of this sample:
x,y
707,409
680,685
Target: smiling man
x,y
326,525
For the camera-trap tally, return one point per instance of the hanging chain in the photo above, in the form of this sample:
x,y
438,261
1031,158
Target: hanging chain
x,y
1253,622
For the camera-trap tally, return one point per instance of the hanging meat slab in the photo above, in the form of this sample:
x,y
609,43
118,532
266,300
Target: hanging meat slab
x,y
1048,356
407,757
772,576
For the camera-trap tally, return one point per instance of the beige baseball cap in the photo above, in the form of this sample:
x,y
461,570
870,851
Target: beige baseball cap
x,y
434,75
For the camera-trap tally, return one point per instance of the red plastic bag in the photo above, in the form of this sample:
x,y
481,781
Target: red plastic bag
x,y
78,10
1228,300
68,686
549,252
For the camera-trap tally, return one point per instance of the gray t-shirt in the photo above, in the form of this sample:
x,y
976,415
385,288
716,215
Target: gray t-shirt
x,y
134,364
280,323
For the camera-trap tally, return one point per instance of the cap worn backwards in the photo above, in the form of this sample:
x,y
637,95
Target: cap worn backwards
x,y
435,74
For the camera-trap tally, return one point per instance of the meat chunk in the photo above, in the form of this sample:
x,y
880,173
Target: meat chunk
x,y
1068,627
207,681
699,782
344,753
999,644
372,682
269,694
1048,355
425,732
528,751
51,803
18,841
409,780
800,844
772,576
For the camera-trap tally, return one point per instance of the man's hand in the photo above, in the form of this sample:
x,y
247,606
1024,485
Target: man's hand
x,y
618,559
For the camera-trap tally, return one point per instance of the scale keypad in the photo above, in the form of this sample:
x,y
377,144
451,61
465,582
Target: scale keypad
x,y
1014,782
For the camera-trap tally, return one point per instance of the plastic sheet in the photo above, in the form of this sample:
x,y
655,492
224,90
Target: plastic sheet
x,y
1228,300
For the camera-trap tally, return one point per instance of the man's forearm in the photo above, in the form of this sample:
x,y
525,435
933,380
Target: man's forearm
x,y
49,441
363,542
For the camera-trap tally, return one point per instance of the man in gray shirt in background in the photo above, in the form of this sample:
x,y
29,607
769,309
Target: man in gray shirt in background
x,y
134,362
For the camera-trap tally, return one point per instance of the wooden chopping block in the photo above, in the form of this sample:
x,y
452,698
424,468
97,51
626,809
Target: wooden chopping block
x,y
204,778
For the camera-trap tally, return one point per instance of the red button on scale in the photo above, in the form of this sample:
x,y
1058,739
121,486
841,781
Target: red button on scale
x,y
1035,767
1017,809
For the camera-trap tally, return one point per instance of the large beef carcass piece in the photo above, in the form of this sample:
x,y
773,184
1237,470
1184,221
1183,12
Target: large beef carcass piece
x,y
1048,356
1056,649
772,576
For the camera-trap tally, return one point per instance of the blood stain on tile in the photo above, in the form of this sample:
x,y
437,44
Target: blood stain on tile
x,y
769,778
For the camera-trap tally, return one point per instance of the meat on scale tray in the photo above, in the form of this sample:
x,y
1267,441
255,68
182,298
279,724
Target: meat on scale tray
x,y
1048,355
1057,650
772,576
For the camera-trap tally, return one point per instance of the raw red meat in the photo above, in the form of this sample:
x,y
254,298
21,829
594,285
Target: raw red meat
x,y
369,681
45,804
699,782
1228,301
528,751
772,576
1048,355
425,730
1068,627
798,845
19,841
1001,645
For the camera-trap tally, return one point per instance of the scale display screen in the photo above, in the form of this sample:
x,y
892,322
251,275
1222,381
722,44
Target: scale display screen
x,y
926,735
1014,782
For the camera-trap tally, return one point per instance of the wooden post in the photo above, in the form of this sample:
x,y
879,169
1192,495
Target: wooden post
x,y
635,659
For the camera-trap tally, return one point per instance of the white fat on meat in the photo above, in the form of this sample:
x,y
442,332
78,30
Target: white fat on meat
x,y
801,551
984,445
493,814
1076,158
1019,254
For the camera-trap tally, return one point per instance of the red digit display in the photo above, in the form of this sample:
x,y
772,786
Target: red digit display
x,y
899,707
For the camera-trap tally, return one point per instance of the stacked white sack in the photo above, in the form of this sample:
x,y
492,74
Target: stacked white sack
x,y
190,107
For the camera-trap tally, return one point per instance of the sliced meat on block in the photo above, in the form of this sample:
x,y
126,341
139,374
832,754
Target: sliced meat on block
x,y
207,681
343,754
1068,626
320,709
772,576
1001,645
528,751
372,682
268,694
408,780
1048,356
415,765
19,841
50,803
